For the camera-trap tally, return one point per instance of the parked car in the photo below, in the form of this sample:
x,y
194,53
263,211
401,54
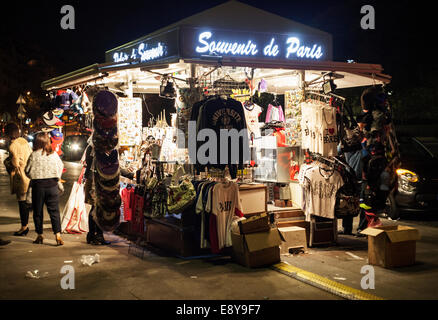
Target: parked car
x,y
416,189
74,146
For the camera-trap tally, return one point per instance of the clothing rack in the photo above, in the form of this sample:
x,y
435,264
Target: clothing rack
x,y
327,96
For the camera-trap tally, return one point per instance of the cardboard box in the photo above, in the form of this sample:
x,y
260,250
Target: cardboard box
x,y
257,249
293,238
392,246
259,223
254,198
280,203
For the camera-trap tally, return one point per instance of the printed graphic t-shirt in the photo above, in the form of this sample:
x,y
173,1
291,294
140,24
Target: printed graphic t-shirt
x,y
252,120
226,207
219,114
322,187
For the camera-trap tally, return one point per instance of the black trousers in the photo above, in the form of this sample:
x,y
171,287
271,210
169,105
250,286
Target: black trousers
x,y
93,228
50,197
24,213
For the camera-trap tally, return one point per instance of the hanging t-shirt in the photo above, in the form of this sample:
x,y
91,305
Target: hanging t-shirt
x,y
316,129
274,113
127,196
321,188
138,217
218,114
226,207
329,132
306,111
252,113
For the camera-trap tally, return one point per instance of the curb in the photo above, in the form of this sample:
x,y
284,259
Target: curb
x,y
323,283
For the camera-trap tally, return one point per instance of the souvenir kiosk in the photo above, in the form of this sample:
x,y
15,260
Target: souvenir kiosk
x,y
275,69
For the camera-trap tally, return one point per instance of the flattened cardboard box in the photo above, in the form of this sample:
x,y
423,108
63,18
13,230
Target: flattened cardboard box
x,y
257,249
259,223
392,246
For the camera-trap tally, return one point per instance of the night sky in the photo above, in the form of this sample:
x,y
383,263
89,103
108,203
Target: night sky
x,y
403,41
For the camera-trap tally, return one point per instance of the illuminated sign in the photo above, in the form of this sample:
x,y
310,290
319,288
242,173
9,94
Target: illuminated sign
x,y
146,50
142,53
224,47
202,43
216,46
210,43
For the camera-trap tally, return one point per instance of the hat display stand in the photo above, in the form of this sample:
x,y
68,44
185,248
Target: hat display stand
x,y
107,174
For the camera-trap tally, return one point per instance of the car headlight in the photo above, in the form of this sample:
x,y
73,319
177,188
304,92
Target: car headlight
x,y
75,147
407,175
2,141
407,180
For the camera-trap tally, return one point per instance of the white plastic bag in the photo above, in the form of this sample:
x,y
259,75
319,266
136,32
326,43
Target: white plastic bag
x,y
75,214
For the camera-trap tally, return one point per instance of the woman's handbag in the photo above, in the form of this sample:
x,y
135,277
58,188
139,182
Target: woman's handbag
x,y
8,164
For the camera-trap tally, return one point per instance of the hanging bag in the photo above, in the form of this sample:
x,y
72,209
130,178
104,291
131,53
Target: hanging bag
x,y
180,195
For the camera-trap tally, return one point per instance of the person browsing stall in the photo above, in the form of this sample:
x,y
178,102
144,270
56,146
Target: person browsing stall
x,y
44,168
19,152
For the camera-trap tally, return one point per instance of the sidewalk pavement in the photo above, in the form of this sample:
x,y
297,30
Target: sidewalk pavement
x,y
343,264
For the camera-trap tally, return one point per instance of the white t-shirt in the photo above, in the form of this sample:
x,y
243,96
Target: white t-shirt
x,y
321,188
329,132
306,119
226,207
319,130
252,113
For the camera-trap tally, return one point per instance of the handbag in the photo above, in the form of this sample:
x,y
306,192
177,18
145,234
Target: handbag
x,y
180,196
346,206
159,198
8,164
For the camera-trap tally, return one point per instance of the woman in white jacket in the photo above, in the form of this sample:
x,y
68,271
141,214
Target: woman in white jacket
x,y
44,168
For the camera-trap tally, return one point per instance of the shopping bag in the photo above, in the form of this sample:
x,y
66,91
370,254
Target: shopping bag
x,y
75,214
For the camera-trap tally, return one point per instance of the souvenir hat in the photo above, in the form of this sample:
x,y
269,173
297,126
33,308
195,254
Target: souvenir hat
x,y
107,183
108,168
105,195
106,133
49,119
105,103
47,129
107,159
107,187
109,204
104,123
104,145
56,134
58,112
107,221
107,176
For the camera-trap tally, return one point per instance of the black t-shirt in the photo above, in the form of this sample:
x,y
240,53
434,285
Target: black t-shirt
x,y
217,114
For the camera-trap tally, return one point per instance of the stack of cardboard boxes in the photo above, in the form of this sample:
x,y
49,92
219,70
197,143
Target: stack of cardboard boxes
x,y
255,243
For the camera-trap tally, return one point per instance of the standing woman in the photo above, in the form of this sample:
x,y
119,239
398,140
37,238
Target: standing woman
x,y
45,169
19,150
